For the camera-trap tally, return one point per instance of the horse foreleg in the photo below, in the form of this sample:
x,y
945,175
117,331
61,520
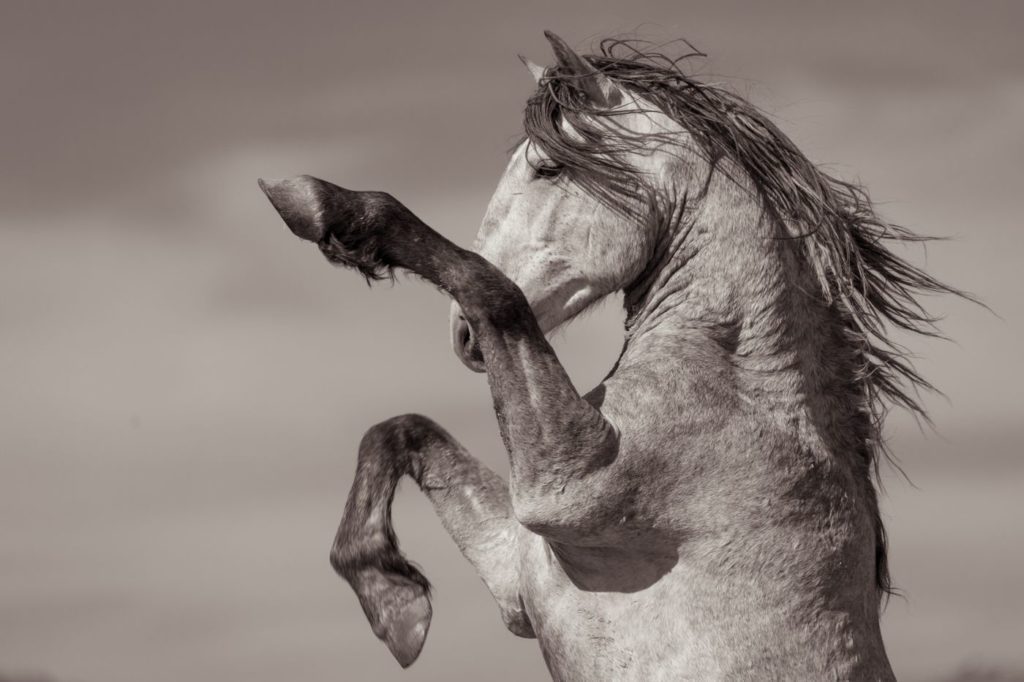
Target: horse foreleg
x,y
560,445
473,504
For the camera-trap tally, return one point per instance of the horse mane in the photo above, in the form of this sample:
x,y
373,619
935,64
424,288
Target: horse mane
x,y
843,239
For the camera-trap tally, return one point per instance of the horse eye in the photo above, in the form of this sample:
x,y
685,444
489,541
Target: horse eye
x,y
548,170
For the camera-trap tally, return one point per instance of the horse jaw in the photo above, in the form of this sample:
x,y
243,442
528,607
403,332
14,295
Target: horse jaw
x,y
555,306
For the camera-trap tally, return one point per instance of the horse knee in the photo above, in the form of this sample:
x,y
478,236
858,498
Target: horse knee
x,y
539,513
487,296
563,517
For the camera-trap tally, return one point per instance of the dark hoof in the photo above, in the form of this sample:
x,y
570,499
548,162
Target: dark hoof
x,y
301,202
345,224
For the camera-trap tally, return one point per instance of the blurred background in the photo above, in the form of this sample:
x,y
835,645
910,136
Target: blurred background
x,y
183,383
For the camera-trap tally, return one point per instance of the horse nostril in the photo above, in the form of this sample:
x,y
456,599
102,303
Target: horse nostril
x,y
468,342
466,345
475,354
464,337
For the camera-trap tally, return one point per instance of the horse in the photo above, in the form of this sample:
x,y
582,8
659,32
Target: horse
x,y
709,511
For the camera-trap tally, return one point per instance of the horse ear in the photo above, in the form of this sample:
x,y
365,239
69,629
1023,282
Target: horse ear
x,y
597,86
536,70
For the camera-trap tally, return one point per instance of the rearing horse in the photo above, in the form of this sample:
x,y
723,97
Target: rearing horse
x,y
708,511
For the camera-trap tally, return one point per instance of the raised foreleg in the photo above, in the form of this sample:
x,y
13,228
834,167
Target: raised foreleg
x,y
473,504
561,447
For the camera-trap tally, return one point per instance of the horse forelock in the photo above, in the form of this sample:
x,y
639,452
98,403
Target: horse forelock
x,y
843,239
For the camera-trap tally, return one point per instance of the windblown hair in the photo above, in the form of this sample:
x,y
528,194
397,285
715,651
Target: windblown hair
x,y
843,239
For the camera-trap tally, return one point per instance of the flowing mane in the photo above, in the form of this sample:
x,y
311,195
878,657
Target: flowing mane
x,y
843,239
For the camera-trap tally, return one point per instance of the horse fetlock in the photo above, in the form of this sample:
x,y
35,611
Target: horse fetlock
x,y
345,224
360,251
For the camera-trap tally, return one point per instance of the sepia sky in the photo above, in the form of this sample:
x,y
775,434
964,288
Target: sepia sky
x,y
183,383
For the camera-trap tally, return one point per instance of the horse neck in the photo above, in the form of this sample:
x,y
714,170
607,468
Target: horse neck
x,y
727,306
722,285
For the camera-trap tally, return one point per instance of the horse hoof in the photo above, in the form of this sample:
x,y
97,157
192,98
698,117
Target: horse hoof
x,y
345,224
406,631
300,201
397,606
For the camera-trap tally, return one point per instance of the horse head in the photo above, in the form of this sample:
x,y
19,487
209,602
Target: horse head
x,y
551,226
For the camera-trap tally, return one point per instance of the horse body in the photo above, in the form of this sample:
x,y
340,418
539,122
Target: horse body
x,y
744,548
708,511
